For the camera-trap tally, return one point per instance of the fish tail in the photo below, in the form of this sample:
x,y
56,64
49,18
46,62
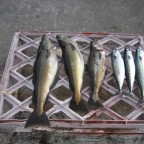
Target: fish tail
x,y
79,107
132,94
96,103
129,94
37,120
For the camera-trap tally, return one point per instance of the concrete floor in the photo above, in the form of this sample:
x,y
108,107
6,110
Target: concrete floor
x,y
68,15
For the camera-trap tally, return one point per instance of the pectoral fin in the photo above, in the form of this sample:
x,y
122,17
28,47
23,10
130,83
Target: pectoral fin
x,y
72,46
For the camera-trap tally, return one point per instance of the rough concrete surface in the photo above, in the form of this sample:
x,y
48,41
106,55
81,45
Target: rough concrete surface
x,y
68,15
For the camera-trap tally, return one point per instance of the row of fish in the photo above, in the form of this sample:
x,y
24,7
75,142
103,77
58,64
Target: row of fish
x,y
45,72
130,68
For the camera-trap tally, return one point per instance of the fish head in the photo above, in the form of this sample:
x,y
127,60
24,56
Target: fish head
x,y
115,53
140,52
128,52
97,53
97,47
45,43
63,40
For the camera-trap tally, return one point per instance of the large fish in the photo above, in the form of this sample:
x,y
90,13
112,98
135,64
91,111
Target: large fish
x,y
74,68
118,68
44,77
96,71
139,64
129,69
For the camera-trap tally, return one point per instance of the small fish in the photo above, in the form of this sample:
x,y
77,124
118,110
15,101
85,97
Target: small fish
x,y
74,68
139,65
129,69
118,68
96,71
44,78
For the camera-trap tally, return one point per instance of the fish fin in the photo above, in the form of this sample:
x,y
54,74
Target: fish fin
x,y
81,107
36,120
95,104
72,46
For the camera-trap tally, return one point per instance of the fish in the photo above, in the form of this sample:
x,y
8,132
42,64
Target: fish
x,y
139,65
96,71
45,71
129,68
74,68
118,68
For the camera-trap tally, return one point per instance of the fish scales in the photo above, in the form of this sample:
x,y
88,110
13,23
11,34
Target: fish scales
x,y
44,76
96,70
118,68
139,63
129,68
74,68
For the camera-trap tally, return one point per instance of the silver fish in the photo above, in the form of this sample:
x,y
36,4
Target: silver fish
x,y
118,68
129,68
139,64
44,76
74,68
96,70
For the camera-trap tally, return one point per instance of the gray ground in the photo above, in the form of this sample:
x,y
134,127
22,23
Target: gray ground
x,y
68,15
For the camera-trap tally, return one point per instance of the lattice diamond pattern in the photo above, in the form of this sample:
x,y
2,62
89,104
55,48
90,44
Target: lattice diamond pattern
x,y
18,74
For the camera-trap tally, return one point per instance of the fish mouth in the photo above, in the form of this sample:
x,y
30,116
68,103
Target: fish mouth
x,y
97,46
44,38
